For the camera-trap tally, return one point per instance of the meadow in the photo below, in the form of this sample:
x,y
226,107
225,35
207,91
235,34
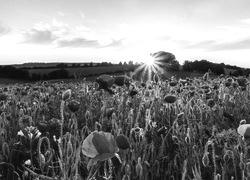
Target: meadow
x,y
120,128
83,71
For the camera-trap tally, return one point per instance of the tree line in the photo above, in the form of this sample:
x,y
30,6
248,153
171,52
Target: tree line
x,y
62,73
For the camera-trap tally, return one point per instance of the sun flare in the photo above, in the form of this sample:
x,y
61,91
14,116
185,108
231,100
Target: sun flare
x,y
150,61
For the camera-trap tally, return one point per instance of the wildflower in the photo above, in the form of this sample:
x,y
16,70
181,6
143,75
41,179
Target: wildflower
x,y
66,95
27,162
244,130
105,82
99,146
173,83
242,81
133,93
169,99
74,105
20,133
122,142
122,80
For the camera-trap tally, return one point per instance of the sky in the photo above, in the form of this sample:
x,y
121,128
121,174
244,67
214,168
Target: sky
x,y
124,30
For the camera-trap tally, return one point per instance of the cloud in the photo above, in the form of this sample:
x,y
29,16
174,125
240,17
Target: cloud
x,y
82,14
60,35
4,29
212,45
246,21
35,36
42,33
77,42
242,44
61,13
115,43
199,45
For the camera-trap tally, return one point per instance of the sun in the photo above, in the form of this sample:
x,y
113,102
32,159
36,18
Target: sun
x,y
150,61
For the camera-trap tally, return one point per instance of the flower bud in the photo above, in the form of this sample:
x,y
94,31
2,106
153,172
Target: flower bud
x,y
66,95
205,159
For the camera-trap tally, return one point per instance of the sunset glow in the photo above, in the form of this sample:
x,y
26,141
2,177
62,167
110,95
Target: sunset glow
x,y
114,31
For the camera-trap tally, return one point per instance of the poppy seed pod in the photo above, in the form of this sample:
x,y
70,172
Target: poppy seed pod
x,y
156,78
66,95
169,99
122,142
205,159
73,106
226,157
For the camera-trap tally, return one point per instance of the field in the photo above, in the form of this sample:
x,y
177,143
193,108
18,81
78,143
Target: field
x,y
83,71
195,128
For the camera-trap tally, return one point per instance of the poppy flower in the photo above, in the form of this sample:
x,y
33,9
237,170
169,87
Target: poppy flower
x,y
122,141
122,80
242,81
105,81
133,93
173,83
210,103
3,97
143,84
244,130
73,105
169,99
227,84
99,146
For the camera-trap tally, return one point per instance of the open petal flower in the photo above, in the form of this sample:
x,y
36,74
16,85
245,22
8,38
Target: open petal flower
x,y
122,142
244,130
122,80
169,99
99,146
